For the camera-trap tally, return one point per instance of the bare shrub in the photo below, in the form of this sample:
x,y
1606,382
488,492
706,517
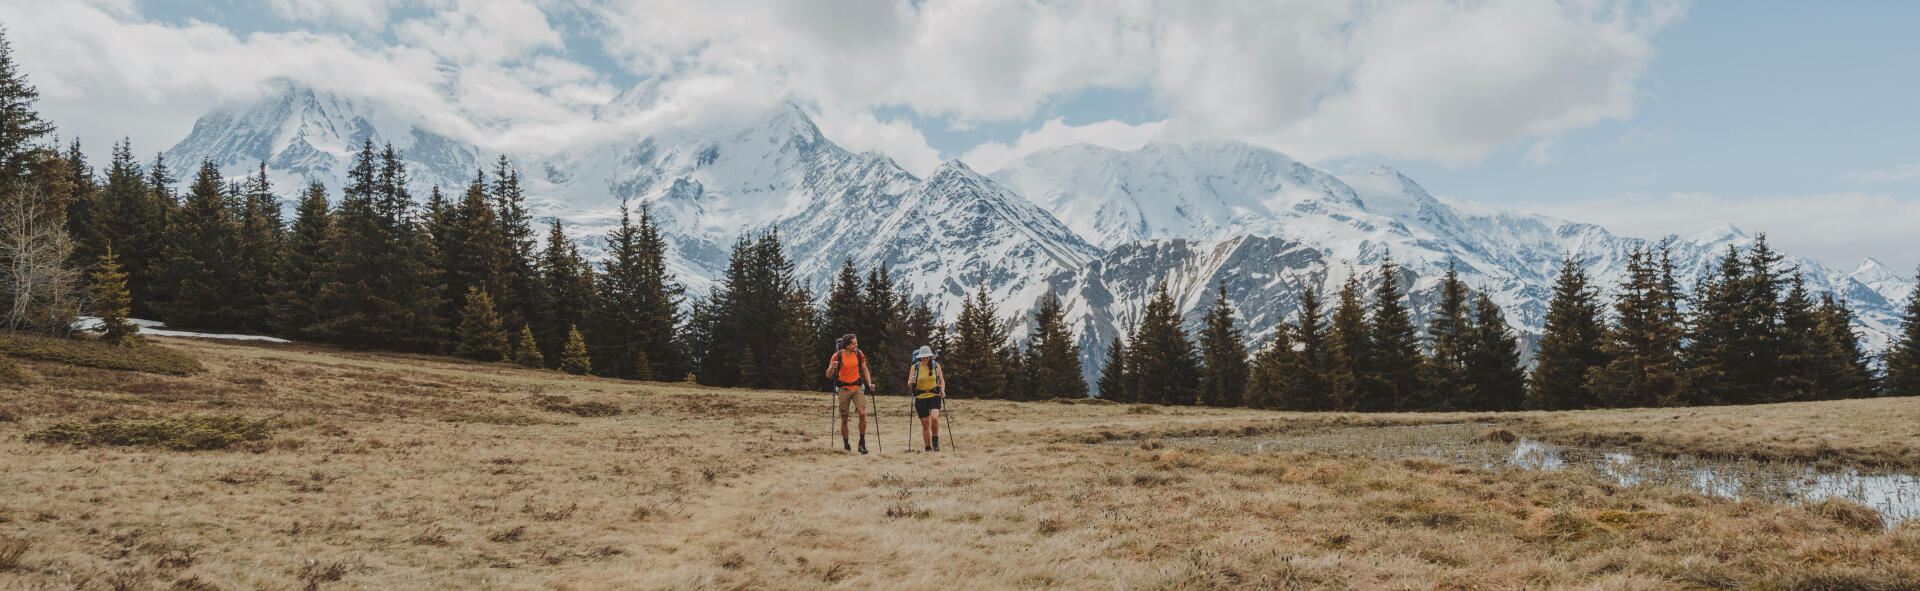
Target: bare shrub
x,y
1497,436
41,292
312,574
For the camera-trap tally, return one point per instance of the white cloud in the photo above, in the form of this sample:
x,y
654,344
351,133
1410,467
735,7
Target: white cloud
x,y
990,156
365,14
1839,228
862,132
1888,175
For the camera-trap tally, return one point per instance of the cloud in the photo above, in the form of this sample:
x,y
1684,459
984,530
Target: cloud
x,y
1418,79
990,156
1897,173
365,14
1840,229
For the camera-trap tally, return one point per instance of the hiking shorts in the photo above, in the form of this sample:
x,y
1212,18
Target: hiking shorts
x,y
850,397
925,406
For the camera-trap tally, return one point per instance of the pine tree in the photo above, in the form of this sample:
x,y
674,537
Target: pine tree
x,y
1273,370
1393,366
480,335
1643,345
378,286
20,125
1224,369
471,244
1711,349
1801,372
879,331
110,301
1055,362
1113,375
1846,373
573,356
757,329
976,362
516,234
257,250
1350,349
638,303
1570,346
1162,363
1903,359
1304,384
86,221
297,272
1494,378
1444,373
526,352
134,221
568,281
846,305
203,271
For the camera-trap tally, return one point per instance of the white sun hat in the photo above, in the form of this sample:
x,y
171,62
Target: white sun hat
x,y
923,353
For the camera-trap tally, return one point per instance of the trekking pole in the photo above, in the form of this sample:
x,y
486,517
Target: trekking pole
x,y
877,436
911,415
946,424
833,415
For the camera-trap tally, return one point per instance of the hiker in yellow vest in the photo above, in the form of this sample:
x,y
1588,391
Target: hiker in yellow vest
x,y
929,391
848,370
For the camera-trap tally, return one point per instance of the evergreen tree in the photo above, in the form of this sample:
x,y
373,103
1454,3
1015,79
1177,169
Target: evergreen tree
x,y
846,304
1571,345
1055,362
1393,366
526,352
1350,350
1642,346
573,356
516,232
759,330
879,331
1224,366
976,363
1273,369
1494,378
21,127
568,281
110,301
471,244
1903,359
86,221
1162,363
1113,374
133,221
1801,372
1304,375
1713,338
203,269
257,250
920,325
148,260
1845,372
1444,373
638,303
297,272
377,285
480,335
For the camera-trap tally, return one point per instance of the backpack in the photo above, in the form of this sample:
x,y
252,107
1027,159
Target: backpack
x,y
928,382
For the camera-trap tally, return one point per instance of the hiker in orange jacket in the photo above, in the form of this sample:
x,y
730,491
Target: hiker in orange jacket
x,y
848,370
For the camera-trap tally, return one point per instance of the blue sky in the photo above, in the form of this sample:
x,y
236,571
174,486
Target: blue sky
x,y
1648,116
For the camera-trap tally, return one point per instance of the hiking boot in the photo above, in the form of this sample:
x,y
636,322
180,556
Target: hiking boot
x,y
929,448
845,444
936,444
863,445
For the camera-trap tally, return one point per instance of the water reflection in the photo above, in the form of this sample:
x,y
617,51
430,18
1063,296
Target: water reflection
x,y
1895,495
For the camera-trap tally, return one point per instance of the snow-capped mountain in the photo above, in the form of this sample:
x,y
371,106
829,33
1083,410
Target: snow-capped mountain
x,y
306,135
1101,227
1172,212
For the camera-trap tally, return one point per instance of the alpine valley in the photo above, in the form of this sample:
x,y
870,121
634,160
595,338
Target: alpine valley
x,y
1101,227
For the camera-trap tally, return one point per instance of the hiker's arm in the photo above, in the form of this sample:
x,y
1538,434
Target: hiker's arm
x,y
833,365
940,380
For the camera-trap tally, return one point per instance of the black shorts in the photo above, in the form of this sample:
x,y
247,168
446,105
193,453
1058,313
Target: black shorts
x,y
925,406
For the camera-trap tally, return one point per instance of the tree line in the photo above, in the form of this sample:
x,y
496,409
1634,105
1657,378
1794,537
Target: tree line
x,y
467,274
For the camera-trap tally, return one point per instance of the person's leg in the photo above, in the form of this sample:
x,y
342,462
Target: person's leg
x,y
933,425
845,404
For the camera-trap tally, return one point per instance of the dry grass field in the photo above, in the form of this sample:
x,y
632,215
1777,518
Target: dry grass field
x,y
391,471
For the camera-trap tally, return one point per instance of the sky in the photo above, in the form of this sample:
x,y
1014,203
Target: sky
x,y
1648,116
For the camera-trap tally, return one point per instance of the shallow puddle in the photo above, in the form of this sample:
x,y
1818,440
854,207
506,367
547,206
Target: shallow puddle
x,y
1895,495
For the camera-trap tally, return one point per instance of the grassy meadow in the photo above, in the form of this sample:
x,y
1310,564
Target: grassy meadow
x,y
299,467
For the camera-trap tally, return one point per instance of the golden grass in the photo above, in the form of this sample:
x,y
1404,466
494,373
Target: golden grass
x,y
423,472
87,352
1880,432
